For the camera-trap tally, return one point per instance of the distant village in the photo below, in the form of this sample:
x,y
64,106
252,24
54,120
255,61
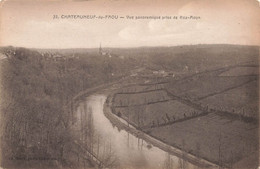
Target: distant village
x,y
56,56
108,53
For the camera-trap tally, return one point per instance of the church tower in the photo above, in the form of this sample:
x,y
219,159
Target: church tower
x,y
100,49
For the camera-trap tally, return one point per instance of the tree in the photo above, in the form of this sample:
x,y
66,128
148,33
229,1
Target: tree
x,y
168,163
181,161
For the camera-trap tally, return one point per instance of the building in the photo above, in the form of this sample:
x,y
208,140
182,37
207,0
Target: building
x,y
104,53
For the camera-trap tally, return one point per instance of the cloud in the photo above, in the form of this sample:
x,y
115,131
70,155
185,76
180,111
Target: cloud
x,y
133,32
154,31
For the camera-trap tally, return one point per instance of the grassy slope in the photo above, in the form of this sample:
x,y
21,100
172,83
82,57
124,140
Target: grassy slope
x,y
207,88
218,139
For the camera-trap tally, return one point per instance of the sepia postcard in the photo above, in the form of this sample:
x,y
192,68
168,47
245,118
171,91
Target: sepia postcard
x,y
129,84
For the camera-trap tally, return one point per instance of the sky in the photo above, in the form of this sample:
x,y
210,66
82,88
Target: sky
x,y
31,24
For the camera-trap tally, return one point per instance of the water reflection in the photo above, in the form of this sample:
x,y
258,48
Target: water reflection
x,y
119,149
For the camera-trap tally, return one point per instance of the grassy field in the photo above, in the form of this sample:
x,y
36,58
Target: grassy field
x,y
233,90
242,100
135,99
242,71
212,137
196,88
157,114
210,109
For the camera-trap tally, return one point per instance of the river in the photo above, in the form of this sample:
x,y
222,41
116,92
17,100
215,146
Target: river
x,y
119,149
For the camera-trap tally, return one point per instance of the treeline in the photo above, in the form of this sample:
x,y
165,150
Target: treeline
x,y
35,90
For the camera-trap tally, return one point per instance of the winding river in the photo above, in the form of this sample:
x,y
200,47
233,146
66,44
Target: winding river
x,y
120,149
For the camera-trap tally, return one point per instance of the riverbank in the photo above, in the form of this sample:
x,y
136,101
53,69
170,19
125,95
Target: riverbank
x,y
173,114
124,125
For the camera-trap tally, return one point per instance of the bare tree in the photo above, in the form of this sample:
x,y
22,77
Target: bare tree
x,y
182,162
198,149
168,163
219,148
108,156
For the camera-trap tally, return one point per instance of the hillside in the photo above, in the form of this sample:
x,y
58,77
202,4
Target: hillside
x,y
202,100
35,91
159,90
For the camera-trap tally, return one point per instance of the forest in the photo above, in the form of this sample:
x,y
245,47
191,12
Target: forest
x,y
36,88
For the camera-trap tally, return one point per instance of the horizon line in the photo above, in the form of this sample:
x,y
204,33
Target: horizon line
x,y
255,45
